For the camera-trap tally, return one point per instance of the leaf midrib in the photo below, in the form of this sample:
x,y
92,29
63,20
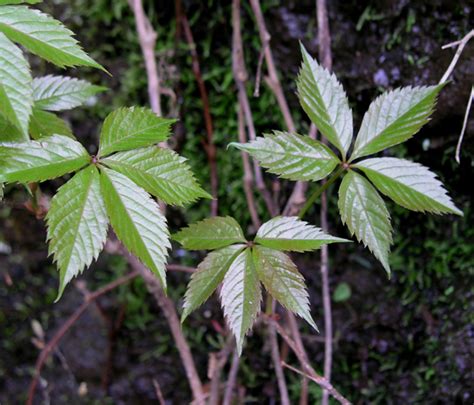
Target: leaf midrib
x,y
86,196
367,217
132,222
151,178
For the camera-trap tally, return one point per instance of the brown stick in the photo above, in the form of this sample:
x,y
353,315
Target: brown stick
x,y
325,57
167,306
460,44
311,373
273,81
51,345
457,154
248,177
284,397
158,392
231,380
297,197
221,360
209,145
180,268
292,323
240,77
147,39
320,381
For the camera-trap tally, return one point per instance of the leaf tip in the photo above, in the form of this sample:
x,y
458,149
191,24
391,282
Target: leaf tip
x,y
235,145
61,288
184,315
311,322
304,52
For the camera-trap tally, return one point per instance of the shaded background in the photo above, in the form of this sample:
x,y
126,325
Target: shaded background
x,y
405,340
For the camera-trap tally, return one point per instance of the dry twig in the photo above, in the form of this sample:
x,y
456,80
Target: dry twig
x,y
320,381
460,44
275,353
147,39
464,125
54,341
167,306
248,176
232,378
240,77
158,392
460,47
309,371
209,145
325,56
219,362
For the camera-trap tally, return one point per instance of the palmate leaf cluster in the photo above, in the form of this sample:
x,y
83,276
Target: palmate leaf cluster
x,y
113,187
391,119
26,103
243,267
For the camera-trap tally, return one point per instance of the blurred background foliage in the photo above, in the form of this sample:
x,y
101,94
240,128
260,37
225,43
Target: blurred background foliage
x,y
409,339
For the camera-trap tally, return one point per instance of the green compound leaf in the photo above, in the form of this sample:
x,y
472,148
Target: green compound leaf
x,y
283,281
131,128
43,123
77,225
161,172
210,233
292,156
365,214
58,93
41,160
137,221
241,296
208,276
292,234
43,36
324,100
16,97
394,117
409,184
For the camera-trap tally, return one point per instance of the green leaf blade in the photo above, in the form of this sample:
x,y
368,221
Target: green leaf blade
x,y
211,233
292,234
77,225
395,117
161,172
44,124
43,36
409,184
283,281
58,93
324,100
41,160
208,276
137,221
241,296
9,132
365,214
292,156
16,97
132,128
